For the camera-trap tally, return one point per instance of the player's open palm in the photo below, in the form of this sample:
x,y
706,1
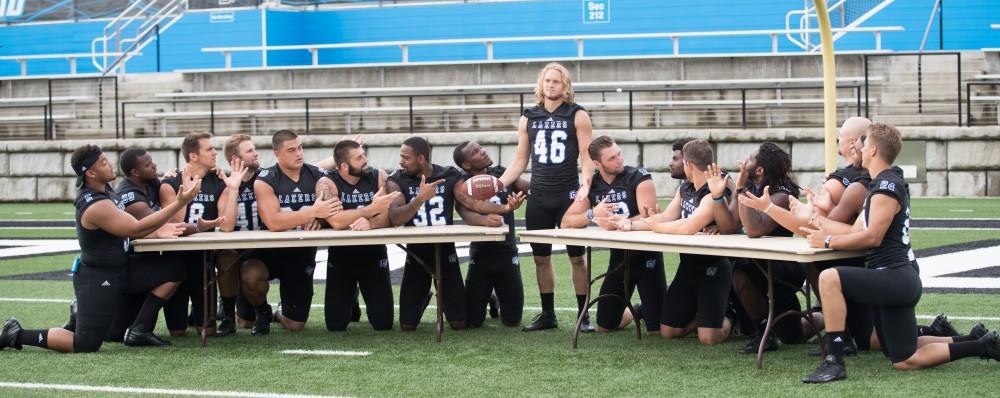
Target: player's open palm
x,y
209,225
189,189
514,201
236,172
759,203
169,230
716,183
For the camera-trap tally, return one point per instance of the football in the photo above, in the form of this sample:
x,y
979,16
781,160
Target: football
x,y
483,187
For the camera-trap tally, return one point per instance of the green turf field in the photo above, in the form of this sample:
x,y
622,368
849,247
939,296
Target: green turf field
x,y
492,361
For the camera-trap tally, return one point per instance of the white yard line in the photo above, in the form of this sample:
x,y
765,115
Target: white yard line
x,y
154,391
328,352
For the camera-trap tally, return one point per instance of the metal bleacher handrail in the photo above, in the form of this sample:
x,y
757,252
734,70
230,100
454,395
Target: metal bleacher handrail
x,y
628,105
675,37
70,57
775,83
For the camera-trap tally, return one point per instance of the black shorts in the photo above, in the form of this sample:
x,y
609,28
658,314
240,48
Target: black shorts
x,y
893,293
860,317
294,268
645,273
350,268
788,279
417,284
494,269
545,210
699,290
101,292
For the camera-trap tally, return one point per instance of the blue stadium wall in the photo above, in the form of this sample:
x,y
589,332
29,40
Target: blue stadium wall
x,y
966,27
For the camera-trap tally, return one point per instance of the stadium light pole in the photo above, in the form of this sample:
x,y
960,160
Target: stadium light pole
x,y
829,87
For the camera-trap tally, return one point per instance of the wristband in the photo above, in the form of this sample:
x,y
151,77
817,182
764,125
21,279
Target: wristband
x,y
826,242
769,206
719,199
590,214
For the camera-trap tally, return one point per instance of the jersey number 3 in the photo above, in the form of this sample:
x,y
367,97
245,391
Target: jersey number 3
x,y
552,151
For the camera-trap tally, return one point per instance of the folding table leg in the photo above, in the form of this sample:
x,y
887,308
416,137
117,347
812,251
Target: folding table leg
x,y
205,284
591,302
437,287
770,316
590,283
435,274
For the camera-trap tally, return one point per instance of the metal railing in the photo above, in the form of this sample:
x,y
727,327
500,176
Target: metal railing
x,y
163,15
69,57
808,13
631,105
920,80
675,37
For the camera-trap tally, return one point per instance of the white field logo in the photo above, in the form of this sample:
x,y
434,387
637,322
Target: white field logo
x,y
11,8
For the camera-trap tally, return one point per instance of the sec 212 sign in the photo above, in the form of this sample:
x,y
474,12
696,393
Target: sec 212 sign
x,y
596,11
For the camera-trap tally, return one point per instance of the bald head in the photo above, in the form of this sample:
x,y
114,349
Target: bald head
x,y
850,131
854,127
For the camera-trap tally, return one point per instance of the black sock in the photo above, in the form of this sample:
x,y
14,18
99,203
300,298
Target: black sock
x,y
37,338
966,349
581,302
264,309
548,303
961,339
229,307
146,318
835,345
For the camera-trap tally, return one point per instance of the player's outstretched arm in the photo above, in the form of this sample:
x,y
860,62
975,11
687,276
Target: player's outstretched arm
x,y
106,216
851,202
577,214
758,223
702,217
883,209
778,214
483,220
521,156
584,135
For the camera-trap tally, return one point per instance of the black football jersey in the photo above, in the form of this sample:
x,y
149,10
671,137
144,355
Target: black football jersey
x,y
132,194
759,191
99,248
621,192
206,203
850,174
358,195
439,209
554,147
508,218
292,195
895,249
247,217
691,198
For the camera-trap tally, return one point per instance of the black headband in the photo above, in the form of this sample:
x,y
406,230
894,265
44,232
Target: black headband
x,y
85,165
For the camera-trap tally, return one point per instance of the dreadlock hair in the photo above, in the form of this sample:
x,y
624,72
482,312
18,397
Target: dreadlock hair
x,y
777,165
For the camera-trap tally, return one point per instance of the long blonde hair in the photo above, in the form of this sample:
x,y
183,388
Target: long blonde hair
x,y
566,80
